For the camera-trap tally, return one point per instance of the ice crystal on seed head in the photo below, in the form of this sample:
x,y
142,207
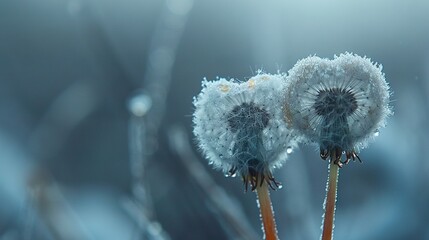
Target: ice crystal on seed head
x,y
240,126
338,103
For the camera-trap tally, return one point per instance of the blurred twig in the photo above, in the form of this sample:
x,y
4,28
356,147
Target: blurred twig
x,y
225,207
141,208
138,106
113,69
53,209
162,54
143,129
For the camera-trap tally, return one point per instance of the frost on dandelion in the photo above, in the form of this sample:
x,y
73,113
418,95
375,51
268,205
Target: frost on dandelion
x,y
339,104
240,127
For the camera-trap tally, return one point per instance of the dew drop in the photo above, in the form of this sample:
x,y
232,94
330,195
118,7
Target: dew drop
x,y
376,133
289,150
139,104
234,175
280,186
227,175
211,162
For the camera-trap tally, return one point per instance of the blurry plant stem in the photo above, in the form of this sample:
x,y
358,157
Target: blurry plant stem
x,y
330,200
267,214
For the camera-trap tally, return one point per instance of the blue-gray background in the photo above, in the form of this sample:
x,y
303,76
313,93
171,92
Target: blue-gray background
x,y
78,160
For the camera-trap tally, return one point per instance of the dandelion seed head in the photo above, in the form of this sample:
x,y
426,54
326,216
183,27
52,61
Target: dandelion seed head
x,y
337,103
240,126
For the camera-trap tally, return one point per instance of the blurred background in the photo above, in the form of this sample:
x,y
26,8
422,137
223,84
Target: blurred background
x,y
96,118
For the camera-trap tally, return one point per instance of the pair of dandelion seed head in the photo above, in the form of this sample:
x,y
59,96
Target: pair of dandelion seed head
x,y
248,128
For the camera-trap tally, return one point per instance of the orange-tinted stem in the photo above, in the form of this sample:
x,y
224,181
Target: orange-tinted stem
x,y
330,200
267,214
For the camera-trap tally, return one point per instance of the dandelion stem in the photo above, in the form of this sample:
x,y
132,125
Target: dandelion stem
x,y
267,213
330,200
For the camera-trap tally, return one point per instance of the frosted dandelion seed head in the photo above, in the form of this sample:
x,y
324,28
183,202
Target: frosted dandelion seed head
x,y
240,127
339,104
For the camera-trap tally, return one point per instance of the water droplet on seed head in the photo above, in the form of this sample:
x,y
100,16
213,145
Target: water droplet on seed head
x,y
376,133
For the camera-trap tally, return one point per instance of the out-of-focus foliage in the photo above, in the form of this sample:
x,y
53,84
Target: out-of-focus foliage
x,y
78,160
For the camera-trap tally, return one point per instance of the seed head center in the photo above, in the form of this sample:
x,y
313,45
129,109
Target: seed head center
x,y
335,102
248,115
